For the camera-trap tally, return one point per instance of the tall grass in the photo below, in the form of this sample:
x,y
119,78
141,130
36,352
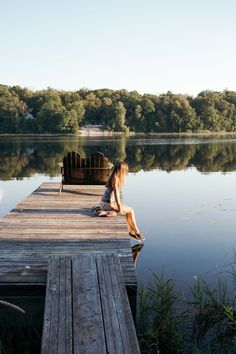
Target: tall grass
x,y
18,335
159,320
205,323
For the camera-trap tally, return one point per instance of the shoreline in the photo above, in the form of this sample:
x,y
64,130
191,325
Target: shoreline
x,y
92,133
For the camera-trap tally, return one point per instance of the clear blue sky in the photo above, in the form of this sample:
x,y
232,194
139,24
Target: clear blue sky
x,y
152,46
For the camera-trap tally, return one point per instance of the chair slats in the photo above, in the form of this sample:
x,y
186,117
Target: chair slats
x,y
94,169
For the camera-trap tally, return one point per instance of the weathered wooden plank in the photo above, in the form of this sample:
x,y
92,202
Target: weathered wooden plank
x,y
125,305
62,307
118,302
68,308
77,228
57,329
87,317
48,309
27,221
14,244
55,294
114,229
59,237
54,186
32,269
65,307
46,227
111,325
100,304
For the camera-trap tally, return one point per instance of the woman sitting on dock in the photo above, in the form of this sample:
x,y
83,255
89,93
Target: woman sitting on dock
x,y
114,184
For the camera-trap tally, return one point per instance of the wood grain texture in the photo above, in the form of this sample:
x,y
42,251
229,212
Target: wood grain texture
x,y
44,224
57,327
91,314
89,336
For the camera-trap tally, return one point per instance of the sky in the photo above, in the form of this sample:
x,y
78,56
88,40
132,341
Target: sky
x,y
151,46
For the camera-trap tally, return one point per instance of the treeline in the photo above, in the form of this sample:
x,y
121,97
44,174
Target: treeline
x,y
24,159
63,112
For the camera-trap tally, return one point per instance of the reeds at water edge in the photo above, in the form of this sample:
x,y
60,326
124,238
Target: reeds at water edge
x,y
205,323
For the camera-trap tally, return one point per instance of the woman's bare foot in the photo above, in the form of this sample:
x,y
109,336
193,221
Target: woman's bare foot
x,y
140,236
135,237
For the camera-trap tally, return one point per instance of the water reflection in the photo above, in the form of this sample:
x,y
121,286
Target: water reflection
x,y
23,158
136,250
187,216
21,319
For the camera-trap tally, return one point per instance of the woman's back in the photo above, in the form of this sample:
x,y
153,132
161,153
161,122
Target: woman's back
x,y
107,194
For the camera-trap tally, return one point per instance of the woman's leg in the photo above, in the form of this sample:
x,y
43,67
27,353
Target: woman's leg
x,y
130,217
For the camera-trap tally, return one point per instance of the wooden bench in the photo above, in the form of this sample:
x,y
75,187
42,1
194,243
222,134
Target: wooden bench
x,y
78,170
87,308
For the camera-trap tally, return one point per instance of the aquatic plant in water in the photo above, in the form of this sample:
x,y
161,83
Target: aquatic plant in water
x,y
205,324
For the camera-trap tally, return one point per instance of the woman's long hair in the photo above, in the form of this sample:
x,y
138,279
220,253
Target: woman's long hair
x,y
118,173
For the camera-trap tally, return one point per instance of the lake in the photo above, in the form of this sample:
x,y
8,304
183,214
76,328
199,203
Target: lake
x,y
182,190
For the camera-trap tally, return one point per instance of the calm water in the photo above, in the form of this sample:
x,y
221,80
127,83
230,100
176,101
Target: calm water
x,y
183,192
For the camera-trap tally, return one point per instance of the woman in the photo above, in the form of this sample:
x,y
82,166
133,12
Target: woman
x,y
114,184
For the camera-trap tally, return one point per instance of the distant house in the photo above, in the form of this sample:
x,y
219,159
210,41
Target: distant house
x,y
28,116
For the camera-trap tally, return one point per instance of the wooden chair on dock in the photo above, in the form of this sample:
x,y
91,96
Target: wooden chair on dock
x,y
78,170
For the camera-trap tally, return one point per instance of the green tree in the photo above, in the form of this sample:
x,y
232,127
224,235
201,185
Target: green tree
x,y
148,107
106,110
11,110
92,106
138,118
214,111
70,123
175,114
73,102
53,111
51,118
119,117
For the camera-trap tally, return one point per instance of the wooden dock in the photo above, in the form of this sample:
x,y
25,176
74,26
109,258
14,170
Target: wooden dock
x,y
87,308
84,261
45,224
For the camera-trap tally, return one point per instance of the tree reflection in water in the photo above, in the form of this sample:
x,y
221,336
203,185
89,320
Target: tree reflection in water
x,y
24,158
